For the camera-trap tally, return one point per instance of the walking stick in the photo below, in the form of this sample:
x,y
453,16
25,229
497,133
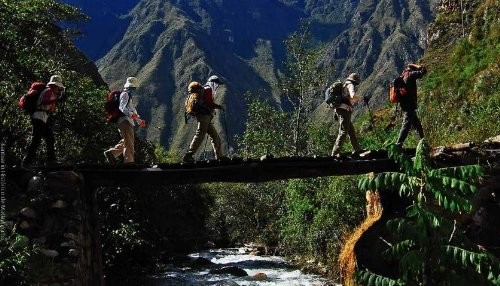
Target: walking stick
x,y
204,150
370,113
372,121
225,130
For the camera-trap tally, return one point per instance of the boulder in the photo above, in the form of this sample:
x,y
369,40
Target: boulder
x,y
231,270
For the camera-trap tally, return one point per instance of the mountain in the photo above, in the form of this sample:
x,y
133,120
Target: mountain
x,y
167,44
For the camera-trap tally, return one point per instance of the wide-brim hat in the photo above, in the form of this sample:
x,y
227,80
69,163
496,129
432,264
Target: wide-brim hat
x,y
354,77
215,79
131,82
55,80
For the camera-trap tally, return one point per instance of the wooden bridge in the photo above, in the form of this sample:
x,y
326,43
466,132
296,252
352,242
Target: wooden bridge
x,y
79,182
268,168
239,170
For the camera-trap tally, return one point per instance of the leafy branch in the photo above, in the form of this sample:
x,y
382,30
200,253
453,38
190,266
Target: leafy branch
x,y
425,232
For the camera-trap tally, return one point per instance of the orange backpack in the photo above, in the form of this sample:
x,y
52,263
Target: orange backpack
x,y
195,99
397,88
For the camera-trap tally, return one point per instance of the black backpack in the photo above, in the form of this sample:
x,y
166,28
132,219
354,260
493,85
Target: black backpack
x,y
29,101
333,94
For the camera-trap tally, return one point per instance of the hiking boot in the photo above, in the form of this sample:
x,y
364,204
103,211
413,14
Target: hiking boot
x,y
188,158
110,158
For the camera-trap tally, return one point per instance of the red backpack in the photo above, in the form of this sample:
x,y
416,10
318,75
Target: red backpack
x,y
112,105
29,101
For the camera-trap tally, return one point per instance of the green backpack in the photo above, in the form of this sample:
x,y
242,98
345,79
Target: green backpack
x,y
333,94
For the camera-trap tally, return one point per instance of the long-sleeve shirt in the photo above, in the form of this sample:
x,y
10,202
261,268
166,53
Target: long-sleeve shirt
x,y
409,101
127,107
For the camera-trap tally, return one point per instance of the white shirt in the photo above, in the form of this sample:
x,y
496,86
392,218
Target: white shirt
x,y
349,92
127,107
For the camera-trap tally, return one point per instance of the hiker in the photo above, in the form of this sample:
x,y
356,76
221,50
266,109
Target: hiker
x,y
40,121
344,111
409,103
204,117
126,124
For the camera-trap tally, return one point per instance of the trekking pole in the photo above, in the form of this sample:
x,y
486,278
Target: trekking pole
x,y
225,130
61,119
205,150
370,113
373,122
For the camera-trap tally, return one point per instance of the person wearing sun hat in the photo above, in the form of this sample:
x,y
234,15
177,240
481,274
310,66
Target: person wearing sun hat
x,y
40,121
126,124
344,112
205,125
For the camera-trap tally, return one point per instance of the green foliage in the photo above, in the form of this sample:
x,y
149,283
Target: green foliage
x,y
318,213
15,252
34,47
236,206
163,156
266,130
372,279
302,81
426,231
320,138
140,228
462,90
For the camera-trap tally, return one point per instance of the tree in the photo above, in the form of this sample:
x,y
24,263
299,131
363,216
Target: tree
x,y
431,250
266,130
303,80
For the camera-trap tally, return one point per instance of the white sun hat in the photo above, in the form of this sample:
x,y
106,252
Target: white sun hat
x,y
131,82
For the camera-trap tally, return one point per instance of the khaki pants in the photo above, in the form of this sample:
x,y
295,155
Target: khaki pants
x,y
345,129
205,126
126,145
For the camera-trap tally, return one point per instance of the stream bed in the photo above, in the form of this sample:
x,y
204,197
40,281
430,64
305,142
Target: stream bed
x,y
234,266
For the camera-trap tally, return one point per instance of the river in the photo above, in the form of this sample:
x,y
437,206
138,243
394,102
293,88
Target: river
x,y
260,270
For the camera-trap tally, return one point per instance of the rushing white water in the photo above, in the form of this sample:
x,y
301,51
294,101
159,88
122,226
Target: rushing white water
x,y
277,271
